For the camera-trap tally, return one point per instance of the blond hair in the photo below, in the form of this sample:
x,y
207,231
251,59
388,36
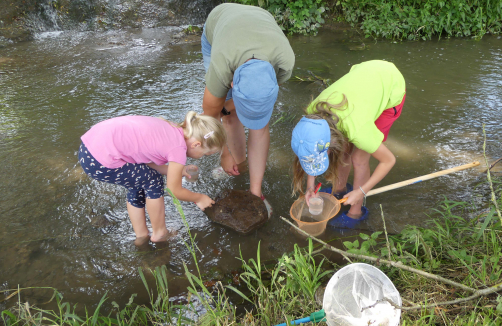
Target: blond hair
x,y
204,128
337,145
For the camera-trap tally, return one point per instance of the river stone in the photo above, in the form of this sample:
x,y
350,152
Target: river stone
x,y
239,210
99,221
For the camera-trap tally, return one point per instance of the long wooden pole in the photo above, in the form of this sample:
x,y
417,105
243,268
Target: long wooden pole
x,y
420,179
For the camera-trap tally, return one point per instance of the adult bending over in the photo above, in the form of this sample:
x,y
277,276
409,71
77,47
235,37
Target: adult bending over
x,y
246,57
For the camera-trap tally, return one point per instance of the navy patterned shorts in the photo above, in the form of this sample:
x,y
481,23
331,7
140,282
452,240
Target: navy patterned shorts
x,y
141,180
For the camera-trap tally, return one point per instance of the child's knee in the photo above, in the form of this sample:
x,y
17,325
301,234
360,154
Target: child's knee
x,y
360,157
360,161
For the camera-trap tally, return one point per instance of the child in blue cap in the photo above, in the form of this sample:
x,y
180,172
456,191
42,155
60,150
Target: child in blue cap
x,y
346,125
246,57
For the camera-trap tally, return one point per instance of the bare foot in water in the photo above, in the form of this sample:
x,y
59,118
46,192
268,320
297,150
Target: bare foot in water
x,y
139,242
166,237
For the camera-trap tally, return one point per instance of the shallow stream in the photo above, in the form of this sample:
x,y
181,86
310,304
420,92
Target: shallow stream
x,y
55,87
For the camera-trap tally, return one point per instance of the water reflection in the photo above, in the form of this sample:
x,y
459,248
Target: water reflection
x,y
57,86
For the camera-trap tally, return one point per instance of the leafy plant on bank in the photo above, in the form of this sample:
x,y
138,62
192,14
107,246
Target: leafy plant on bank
x,y
422,19
219,310
468,250
300,16
464,249
286,291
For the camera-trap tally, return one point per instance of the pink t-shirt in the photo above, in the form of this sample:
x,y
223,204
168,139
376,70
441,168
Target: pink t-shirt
x,y
135,139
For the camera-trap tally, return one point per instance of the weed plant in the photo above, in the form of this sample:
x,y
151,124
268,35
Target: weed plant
x,y
420,19
455,246
468,251
294,17
275,295
392,19
288,290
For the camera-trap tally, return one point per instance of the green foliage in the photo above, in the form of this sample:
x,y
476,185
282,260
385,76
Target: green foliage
x,y
465,249
326,82
421,19
499,306
454,241
303,274
219,311
24,314
284,117
455,246
192,30
368,242
300,16
287,289
401,19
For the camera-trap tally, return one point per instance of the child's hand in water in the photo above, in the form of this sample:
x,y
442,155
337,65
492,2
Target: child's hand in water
x,y
184,173
204,202
309,194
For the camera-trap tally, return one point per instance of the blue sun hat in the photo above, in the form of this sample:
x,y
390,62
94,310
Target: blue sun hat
x,y
254,93
310,142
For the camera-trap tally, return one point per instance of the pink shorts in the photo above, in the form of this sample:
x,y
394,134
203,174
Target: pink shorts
x,y
387,118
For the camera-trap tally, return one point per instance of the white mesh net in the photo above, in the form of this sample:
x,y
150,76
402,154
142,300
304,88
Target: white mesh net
x,y
358,286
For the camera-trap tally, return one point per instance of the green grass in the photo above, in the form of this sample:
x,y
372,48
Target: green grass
x,y
392,19
416,19
455,246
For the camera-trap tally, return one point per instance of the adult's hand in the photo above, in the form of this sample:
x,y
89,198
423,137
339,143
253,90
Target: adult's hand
x,y
228,163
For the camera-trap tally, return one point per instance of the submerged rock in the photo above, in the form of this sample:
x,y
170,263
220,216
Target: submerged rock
x,y
99,221
357,47
239,210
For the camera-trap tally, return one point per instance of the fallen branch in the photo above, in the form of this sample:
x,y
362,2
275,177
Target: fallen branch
x,y
346,255
18,290
385,229
492,165
399,265
476,295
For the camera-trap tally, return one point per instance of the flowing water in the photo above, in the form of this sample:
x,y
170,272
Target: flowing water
x,y
57,86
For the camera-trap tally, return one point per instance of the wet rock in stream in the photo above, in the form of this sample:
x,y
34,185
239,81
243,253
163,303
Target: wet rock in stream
x,y
99,221
239,210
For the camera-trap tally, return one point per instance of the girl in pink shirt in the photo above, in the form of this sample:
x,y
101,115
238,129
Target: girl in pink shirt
x,y
133,151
